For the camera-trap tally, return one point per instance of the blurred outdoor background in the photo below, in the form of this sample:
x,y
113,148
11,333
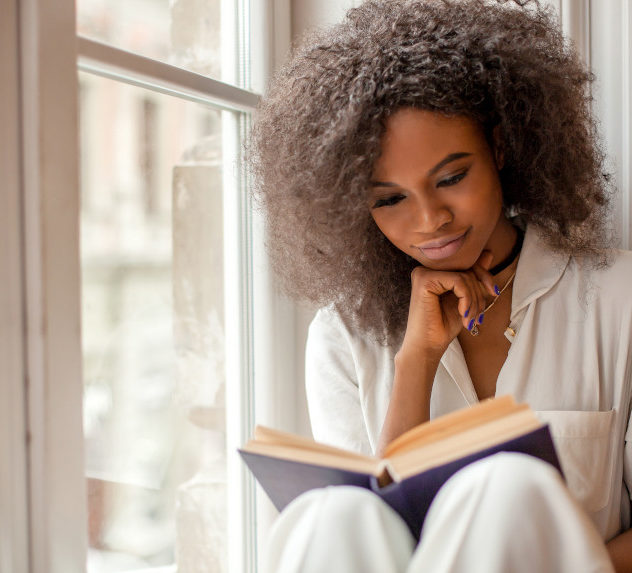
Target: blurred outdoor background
x,y
152,297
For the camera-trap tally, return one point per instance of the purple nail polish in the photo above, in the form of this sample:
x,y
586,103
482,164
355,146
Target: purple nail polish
x,y
466,313
469,327
480,319
496,290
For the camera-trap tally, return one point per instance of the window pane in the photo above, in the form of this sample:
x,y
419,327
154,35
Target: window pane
x,y
185,33
153,330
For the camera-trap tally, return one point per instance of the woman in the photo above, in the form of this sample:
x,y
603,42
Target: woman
x,y
431,178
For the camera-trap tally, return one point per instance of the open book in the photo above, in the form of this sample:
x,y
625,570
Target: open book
x,y
415,465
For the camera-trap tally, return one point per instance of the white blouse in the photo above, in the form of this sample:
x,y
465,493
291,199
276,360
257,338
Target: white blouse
x,y
570,359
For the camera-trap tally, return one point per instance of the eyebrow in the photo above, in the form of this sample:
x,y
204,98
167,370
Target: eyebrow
x,y
447,159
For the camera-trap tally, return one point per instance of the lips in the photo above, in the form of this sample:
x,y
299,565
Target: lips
x,y
442,247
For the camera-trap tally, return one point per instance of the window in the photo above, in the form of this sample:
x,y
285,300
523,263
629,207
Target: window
x,y
156,171
153,328
130,236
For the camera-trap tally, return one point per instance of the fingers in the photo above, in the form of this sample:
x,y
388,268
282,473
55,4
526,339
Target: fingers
x,y
486,279
481,270
485,260
470,293
471,288
474,314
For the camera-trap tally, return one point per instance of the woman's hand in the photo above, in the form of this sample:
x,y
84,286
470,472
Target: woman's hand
x,y
443,302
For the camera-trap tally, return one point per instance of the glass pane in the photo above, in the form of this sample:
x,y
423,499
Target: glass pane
x,y
153,330
185,33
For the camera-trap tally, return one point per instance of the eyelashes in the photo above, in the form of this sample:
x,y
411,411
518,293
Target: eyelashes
x,y
388,201
392,200
453,180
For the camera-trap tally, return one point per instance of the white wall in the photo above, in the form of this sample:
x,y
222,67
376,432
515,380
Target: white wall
x,y
610,48
308,14
601,31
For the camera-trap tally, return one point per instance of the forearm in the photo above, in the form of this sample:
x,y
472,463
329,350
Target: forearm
x,y
410,399
620,549
439,303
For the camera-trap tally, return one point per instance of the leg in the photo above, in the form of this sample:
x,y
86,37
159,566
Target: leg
x,y
339,529
508,513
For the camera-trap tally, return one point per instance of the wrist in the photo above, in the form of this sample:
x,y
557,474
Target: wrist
x,y
409,356
415,372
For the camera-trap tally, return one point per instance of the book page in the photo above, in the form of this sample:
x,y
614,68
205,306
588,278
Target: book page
x,y
453,423
366,465
265,435
454,447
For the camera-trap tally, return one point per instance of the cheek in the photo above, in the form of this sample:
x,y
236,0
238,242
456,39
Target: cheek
x,y
496,190
487,205
496,201
388,224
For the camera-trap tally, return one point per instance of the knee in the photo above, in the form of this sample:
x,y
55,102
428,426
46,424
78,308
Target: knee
x,y
338,505
520,475
341,511
327,529
505,480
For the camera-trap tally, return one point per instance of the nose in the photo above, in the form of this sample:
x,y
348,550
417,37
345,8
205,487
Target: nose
x,y
429,213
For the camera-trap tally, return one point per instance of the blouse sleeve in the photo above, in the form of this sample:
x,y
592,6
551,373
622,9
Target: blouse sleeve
x,y
627,474
332,387
626,502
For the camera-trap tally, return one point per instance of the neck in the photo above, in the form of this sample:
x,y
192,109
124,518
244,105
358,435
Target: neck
x,y
506,238
502,241
512,256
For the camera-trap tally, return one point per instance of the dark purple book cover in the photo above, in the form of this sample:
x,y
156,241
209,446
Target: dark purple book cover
x,y
283,480
412,497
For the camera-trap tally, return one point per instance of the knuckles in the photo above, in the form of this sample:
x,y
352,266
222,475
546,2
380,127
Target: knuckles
x,y
420,276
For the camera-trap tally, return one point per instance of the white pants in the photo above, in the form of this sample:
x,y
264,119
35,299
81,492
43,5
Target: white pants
x,y
506,513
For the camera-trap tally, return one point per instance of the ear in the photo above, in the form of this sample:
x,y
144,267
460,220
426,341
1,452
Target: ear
x,y
499,147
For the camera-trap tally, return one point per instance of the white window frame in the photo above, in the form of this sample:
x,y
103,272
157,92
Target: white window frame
x,y
13,470
610,48
42,484
602,34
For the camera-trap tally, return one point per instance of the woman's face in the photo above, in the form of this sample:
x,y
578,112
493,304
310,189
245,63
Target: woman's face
x,y
435,191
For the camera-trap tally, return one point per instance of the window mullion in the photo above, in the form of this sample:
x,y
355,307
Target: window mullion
x,y
13,468
49,148
575,19
98,58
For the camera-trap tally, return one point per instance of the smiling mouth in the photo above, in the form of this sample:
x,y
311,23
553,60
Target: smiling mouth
x,y
442,248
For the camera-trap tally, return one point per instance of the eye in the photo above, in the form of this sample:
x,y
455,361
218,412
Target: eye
x,y
453,180
388,201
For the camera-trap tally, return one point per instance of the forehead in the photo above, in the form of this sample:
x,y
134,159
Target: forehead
x,y
428,137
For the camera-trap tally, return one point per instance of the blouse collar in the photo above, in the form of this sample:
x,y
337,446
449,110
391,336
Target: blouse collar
x,y
539,269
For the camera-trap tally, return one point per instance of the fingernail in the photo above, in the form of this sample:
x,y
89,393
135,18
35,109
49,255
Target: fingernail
x,y
466,313
469,327
496,290
480,319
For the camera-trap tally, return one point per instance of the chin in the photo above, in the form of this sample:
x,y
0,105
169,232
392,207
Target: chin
x,y
445,265
456,263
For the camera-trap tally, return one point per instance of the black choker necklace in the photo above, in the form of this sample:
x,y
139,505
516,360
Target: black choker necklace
x,y
515,251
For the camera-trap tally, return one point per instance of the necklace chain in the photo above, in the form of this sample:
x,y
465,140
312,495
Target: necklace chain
x,y
475,331
509,280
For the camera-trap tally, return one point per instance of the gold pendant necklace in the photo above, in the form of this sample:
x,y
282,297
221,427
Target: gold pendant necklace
x,y
475,331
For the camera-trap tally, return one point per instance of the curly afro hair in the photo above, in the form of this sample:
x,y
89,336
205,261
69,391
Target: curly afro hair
x,y
317,135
